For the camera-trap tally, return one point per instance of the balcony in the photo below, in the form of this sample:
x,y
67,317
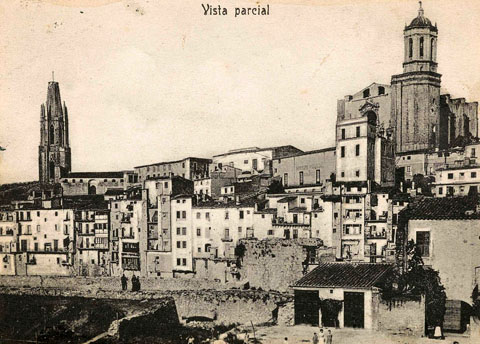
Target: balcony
x,y
227,239
281,224
376,235
101,231
49,250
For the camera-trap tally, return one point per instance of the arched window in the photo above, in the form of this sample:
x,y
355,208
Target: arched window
x,y
366,93
466,126
432,43
410,47
51,135
52,170
92,190
421,46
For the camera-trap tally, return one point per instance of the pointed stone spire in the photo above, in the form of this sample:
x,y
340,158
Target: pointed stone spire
x,y
54,102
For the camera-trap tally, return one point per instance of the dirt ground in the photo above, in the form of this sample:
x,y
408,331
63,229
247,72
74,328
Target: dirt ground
x,y
303,334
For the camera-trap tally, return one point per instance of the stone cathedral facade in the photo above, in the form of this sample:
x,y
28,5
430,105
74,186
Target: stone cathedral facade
x,y
54,155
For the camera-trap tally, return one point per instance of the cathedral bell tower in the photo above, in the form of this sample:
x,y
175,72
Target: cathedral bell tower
x,y
416,92
54,156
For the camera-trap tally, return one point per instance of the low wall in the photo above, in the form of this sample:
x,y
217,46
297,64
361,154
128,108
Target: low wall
x,y
230,306
94,284
401,315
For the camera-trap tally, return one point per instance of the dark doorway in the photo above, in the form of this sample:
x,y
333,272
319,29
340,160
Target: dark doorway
x,y
92,190
353,312
306,306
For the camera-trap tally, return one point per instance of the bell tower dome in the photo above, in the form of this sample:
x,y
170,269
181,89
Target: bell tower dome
x,y
420,44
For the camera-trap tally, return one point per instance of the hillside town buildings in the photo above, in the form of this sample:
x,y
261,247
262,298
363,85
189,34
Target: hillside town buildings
x,y
404,167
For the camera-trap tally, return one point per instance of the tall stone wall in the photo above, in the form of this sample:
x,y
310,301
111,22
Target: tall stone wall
x,y
275,264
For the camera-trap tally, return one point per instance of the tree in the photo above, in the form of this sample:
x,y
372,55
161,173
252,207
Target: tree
x,y
417,279
276,187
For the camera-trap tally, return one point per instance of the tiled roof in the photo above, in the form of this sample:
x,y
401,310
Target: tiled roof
x,y
297,210
177,161
344,275
114,192
287,199
445,208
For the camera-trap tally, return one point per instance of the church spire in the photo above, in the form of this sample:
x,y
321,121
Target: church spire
x,y
54,150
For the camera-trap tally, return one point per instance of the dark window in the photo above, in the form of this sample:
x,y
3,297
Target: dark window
x,y
423,243
366,93
357,150
285,179
52,135
410,47
358,131
473,174
450,176
343,134
300,177
342,152
381,90
421,46
241,214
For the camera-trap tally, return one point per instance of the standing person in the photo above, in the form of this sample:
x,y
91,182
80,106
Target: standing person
x,y
134,283
329,337
124,282
321,337
315,338
138,284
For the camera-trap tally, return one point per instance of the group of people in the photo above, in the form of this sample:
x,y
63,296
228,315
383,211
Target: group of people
x,y
322,338
135,282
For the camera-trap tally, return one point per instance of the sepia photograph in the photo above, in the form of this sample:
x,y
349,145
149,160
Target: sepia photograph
x,y
239,171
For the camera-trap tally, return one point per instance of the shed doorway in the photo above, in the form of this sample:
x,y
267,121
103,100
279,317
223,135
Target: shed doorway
x,y
307,305
353,311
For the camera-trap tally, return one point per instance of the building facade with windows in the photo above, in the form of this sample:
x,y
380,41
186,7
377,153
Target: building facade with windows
x,y
46,242
307,169
254,159
92,229
459,181
188,168
447,233
128,218
8,242
363,150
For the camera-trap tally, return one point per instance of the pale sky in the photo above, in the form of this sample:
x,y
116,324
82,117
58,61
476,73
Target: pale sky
x,y
150,81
